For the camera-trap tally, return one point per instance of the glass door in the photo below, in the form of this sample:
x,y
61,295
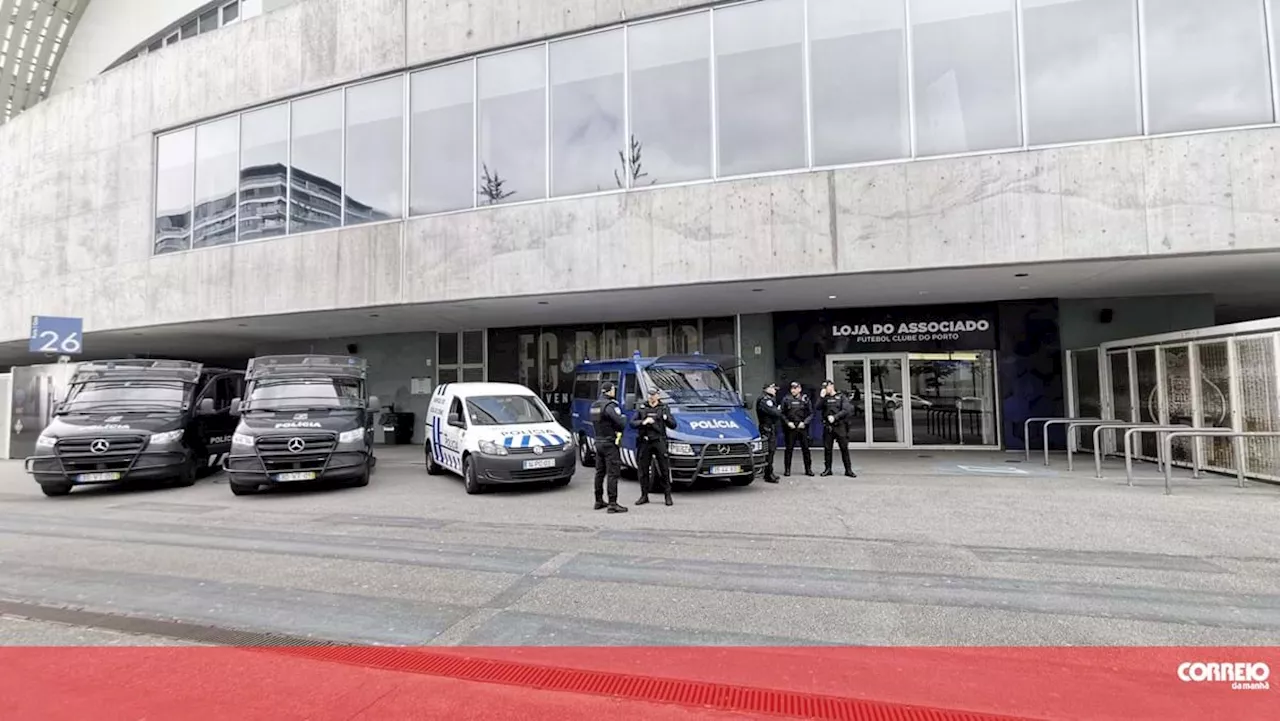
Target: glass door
x,y
953,399
877,384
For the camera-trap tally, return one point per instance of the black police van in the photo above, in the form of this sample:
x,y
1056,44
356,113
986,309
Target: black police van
x,y
137,420
303,418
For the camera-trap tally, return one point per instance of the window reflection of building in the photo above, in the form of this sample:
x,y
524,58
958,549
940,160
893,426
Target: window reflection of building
x,y
173,232
215,222
263,195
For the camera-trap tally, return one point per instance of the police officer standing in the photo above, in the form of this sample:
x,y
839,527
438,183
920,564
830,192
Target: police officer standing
x,y
652,420
836,410
608,421
796,413
769,418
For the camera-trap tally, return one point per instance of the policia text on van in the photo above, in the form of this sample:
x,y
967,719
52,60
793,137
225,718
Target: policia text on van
x,y
137,420
303,418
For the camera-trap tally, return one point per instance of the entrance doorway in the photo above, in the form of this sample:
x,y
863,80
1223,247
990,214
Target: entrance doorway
x,y
910,400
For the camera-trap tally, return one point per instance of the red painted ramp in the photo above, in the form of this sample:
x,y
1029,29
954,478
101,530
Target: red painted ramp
x,y
844,684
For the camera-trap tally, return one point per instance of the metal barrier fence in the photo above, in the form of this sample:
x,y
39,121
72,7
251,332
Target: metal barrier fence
x,y
1237,441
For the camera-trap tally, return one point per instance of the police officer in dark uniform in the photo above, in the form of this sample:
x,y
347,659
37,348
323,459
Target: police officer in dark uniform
x,y
608,421
769,418
652,421
796,414
837,410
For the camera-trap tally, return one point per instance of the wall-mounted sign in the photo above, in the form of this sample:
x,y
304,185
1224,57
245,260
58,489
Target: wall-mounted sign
x,y
920,329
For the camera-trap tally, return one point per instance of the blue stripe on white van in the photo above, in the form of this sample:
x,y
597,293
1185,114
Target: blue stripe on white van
x,y
529,441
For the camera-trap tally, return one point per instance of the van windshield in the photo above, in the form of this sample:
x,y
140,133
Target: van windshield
x,y
126,396
692,385
506,410
304,394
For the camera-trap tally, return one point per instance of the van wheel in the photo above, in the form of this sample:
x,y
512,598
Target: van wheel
x,y
361,480
469,479
187,477
242,490
433,468
54,490
585,456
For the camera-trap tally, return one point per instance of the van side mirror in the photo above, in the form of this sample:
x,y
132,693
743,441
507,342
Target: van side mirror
x,y
456,421
630,401
206,407
746,400
235,406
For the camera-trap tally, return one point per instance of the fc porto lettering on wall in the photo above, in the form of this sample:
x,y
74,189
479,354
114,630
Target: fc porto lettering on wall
x,y
911,328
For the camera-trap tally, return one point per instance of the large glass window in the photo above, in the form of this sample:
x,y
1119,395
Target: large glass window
x,y
264,172
760,86
217,148
512,126
375,151
670,66
175,183
966,75
588,127
1206,64
1082,79
315,179
442,163
858,72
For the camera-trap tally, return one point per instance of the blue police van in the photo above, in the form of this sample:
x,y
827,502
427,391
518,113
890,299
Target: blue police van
x,y
715,437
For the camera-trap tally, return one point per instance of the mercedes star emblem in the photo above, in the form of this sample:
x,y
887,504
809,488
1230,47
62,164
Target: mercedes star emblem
x,y
296,445
100,446
724,450
537,450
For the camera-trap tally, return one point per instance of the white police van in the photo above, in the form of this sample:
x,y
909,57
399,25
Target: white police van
x,y
491,433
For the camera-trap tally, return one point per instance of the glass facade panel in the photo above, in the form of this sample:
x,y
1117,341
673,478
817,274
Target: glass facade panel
x,y
512,126
1215,402
442,139
669,62
1120,387
1082,74
588,116
952,399
375,151
175,183
760,86
1088,393
1144,363
473,347
1259,404
217,149
1177,393
966,80
1206,64
858,72
315,178
264,172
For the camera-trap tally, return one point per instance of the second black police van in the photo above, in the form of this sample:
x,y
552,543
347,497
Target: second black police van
x,y
302,418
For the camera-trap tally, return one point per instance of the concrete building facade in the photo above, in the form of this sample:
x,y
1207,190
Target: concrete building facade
x,y
336,173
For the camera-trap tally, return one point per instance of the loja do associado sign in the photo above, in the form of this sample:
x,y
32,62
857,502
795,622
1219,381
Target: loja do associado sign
x,y
935,328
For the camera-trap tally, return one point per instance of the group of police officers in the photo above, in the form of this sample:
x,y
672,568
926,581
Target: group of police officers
x,y
793,414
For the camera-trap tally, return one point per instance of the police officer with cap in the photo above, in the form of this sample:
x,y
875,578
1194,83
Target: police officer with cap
x,y
796,414
608,421
769,418
837,410
652,421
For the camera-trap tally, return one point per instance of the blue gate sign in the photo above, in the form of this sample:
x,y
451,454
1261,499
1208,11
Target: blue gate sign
x,y
61,336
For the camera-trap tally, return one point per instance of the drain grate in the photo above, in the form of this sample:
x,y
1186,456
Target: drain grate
x,y
693,694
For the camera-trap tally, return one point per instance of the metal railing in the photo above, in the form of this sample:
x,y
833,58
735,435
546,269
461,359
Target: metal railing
x,y
1237,448
1117,425
1129,435
1047,420
1072,427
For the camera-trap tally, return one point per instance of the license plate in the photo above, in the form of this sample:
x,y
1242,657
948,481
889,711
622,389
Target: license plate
x,y
98,477
725,470
543,463
296,476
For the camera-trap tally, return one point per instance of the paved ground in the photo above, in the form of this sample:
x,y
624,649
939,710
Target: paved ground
x,y
942,548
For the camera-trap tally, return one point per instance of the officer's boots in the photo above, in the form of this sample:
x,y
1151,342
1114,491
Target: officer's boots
x,y
643,499
615,508
600,504
668,498
826,473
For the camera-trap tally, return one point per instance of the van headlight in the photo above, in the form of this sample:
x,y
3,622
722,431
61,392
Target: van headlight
x,y
757,446
46,441
354,435
489,448
680,449
240,439
160,439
